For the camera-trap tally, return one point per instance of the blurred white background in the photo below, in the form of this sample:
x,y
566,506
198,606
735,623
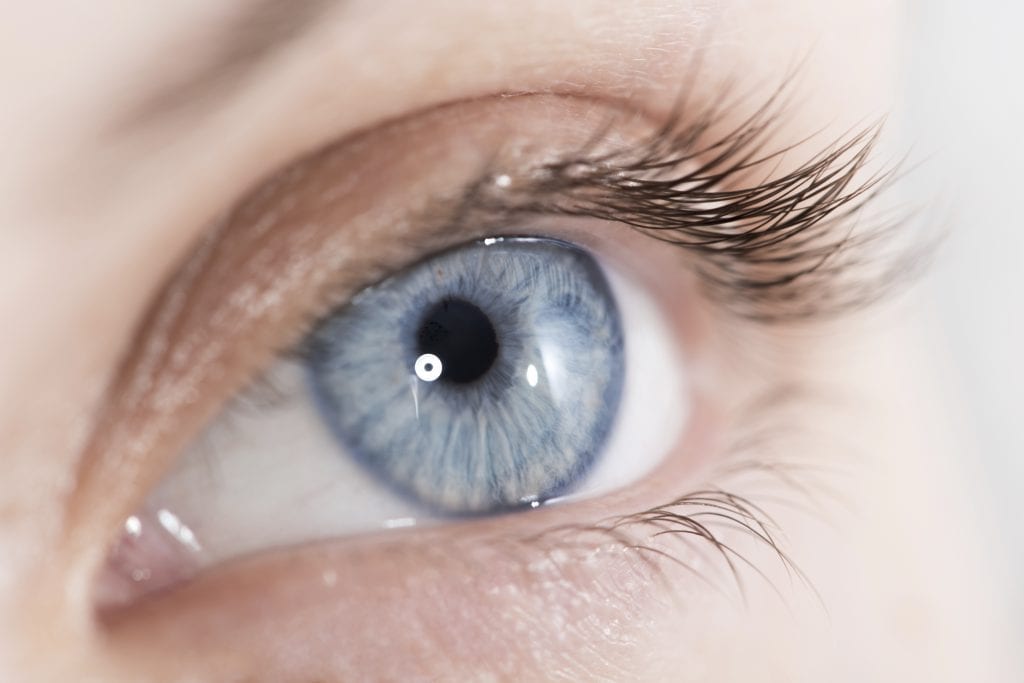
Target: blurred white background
x,y
963,113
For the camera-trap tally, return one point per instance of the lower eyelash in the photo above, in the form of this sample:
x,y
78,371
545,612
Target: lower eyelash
x,y
700,520
699,532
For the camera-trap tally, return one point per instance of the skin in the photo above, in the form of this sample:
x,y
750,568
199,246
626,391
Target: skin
x,y
106,187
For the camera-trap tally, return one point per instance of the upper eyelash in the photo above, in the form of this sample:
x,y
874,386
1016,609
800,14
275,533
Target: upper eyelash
x,y
778,249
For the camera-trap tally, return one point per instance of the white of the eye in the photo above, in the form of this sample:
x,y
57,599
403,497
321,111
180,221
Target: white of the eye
x,y
428,367
274,476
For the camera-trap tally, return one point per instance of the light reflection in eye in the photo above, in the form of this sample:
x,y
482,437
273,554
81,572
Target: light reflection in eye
x,y
428,367
531,375
133,526
170,522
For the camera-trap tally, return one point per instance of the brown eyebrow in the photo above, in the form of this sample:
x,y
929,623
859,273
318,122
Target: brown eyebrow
x,y
230,52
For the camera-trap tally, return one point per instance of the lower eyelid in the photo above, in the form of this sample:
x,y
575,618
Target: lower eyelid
x,y
487,598
521,607
527,600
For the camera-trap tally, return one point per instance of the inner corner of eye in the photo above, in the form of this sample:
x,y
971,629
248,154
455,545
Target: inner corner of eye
x,y
498,375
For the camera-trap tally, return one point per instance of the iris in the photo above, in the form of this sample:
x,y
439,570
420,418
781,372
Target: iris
x,y
485,378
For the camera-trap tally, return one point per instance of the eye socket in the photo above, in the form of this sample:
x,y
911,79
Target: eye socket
x,y
582,394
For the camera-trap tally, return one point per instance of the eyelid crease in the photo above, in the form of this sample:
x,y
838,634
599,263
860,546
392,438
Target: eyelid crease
x,y
795,247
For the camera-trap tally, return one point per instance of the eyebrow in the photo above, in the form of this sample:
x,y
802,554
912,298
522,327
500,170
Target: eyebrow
x,y
230,50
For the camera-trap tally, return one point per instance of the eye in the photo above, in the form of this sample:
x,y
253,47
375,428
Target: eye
x,y
482,379
497,336
503,374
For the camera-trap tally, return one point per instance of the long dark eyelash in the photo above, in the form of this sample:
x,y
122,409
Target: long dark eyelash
x,y
771,249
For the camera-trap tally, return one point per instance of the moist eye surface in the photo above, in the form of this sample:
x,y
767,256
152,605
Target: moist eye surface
x,y
485,378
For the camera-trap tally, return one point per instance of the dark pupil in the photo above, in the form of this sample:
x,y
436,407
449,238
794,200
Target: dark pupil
x,y
462,336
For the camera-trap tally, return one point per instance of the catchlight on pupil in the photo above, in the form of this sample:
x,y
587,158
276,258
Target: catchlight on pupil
x,y
485,378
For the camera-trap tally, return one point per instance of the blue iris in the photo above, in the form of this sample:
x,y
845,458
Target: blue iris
x,y
484,378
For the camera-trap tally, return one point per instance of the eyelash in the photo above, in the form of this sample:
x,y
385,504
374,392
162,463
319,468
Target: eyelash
x,y
773,251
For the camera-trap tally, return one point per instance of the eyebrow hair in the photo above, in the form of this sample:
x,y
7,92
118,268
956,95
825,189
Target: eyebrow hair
x,y
231,50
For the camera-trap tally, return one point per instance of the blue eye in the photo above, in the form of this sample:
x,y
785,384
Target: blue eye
x,y
485,378
499,375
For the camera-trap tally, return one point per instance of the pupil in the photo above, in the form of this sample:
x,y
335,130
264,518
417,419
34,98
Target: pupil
x,y
462,336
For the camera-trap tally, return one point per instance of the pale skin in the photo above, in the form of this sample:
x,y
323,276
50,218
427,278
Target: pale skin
x,y
106,187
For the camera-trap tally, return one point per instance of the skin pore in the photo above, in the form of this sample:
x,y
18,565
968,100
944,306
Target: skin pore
x,y
143,124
